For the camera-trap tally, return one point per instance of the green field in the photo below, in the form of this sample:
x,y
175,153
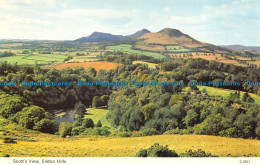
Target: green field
x,y
126,48
98,114
175,48
225,93
33,59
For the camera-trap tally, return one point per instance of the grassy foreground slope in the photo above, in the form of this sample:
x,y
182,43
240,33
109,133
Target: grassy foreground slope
x,y
35,144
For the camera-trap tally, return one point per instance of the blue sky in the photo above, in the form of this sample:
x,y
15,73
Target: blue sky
x,y
218,22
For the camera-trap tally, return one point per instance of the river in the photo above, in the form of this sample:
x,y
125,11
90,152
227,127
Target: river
x,y
64,115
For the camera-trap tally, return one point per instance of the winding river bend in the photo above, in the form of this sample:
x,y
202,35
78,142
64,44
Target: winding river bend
x,y
67,115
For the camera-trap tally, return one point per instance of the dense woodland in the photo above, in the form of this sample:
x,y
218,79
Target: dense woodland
x,y
148,109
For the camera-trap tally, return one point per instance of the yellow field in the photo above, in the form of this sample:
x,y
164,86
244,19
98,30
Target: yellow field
x,y
11,50
229,61
53,146
125,147
255,63
13,44
243,58
150,65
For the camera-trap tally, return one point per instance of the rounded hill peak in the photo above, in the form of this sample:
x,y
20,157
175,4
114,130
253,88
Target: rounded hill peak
x,y
172,32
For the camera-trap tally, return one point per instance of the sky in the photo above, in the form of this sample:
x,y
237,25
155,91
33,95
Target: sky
x,y
220,22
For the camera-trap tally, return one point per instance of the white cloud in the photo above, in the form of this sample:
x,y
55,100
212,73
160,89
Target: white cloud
x,y
242,1
166,9
68,19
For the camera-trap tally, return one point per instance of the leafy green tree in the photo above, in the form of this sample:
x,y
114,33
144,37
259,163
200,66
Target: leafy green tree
x,y
88,123
247,98
99,124
212,125
80,109
96,102
47,126
233,98
9,105
257,130
157,150
148,111
65,129
30,116
196,153
175,99
191,118
92,72
104,99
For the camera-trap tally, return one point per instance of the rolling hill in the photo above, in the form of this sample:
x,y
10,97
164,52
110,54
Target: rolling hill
x,y
106,37
170,36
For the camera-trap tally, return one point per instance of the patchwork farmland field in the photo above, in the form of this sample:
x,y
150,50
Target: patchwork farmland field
x,y
97,65
143,46
175,48
33,59
128,49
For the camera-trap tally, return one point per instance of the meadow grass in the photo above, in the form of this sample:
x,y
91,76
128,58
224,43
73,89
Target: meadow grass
x,y
98,114
128,49
127,147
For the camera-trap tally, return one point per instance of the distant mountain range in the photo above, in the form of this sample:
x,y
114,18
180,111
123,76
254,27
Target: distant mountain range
x,y
241,47
164,36
104,37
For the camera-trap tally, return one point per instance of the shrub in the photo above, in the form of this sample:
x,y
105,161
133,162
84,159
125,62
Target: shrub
x,y
65,129
189,130
104,99
141,153
6,155
198,153
97,131
10,105
77,122
124,134
88,123
30,116
173,131
99,124
47,126
97,102
77,130
80,109
9,140
147,132
157,150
